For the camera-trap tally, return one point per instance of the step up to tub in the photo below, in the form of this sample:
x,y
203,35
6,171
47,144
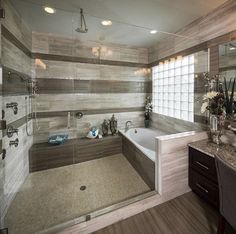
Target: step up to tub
x,y
43,156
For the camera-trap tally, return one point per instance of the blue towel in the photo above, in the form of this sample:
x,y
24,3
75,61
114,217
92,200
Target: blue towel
x,y
58,139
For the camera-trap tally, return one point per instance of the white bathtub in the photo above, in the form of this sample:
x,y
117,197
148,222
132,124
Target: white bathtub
x,y
144,139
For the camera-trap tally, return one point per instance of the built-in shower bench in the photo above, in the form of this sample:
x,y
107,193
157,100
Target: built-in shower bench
x,y
43,156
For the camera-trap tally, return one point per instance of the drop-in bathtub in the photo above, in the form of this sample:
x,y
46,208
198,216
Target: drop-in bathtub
x,y
144,139
138,146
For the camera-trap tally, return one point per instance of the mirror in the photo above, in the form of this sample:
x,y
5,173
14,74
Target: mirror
x,y
227,69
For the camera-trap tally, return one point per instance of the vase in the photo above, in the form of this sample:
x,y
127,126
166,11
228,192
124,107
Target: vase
x,y
147,123
217,123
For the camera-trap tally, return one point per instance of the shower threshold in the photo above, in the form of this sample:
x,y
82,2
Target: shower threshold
x,y
97,213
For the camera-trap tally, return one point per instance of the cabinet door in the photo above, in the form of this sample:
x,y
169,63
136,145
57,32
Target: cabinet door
x,y
204,187
203,163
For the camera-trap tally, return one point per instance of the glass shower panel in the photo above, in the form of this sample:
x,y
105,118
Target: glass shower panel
x,y
38,101
71,84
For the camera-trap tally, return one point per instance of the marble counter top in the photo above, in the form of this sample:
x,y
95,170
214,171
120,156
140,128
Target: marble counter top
x,y
226,152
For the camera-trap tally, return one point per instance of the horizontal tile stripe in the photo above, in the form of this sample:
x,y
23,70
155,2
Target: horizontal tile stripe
x,y
2,124
44,156
74,59
50,86
191,50
17,124
14,82
10,37
203,46
84,101
86,112
222,69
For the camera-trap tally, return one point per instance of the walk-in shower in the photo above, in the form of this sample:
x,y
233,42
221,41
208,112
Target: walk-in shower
x,y
61,82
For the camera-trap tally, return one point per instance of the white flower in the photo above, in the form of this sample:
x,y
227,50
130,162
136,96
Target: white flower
x,y
204,107
210,95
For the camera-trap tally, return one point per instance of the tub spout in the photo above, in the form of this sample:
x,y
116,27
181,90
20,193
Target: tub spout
x,y
127,125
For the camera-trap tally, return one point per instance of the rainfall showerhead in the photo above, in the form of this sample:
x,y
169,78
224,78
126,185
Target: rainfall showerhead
x,y
80,30
83,27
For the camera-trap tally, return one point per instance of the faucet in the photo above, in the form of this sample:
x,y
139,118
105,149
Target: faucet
x,y
127,125
14,106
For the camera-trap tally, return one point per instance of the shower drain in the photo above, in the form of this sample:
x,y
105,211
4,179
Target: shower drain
x,y
82,188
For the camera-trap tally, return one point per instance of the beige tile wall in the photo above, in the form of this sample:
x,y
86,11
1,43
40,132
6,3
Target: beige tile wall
x,y
54,44
14,168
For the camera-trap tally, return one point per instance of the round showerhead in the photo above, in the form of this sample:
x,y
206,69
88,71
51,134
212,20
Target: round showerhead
x,y
81,30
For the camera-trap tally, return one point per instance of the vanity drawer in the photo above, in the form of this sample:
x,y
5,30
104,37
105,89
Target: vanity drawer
x,y
203,163
204,187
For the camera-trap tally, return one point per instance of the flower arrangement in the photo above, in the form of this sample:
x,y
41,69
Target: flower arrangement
x,y
148,108
214,103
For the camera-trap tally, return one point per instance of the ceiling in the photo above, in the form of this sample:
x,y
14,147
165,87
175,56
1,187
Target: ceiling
x,y
162,15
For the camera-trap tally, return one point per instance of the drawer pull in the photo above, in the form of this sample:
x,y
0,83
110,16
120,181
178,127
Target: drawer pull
x,y
202,165
202,188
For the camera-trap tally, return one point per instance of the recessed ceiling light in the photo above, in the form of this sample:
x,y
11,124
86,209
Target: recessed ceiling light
x,y
153,31
106,22
49,10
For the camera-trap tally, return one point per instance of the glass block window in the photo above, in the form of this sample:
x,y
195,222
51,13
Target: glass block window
x,y
173,88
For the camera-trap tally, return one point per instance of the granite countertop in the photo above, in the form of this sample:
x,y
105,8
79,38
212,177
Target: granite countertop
x,y
224,151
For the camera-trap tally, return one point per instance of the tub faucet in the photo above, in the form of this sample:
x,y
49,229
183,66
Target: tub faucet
x,y
127,125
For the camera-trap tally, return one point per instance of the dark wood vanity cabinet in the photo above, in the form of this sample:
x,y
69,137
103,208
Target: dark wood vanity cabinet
x,y
203,176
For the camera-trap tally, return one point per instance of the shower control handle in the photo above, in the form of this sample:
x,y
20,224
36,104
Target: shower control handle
x,y
4,153
14,106
11,131
15,142
79,115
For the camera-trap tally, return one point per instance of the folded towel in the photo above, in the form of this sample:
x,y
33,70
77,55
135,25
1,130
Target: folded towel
x,y
58,139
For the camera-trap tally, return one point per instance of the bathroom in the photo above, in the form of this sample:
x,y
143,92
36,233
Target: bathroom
x,y
102,109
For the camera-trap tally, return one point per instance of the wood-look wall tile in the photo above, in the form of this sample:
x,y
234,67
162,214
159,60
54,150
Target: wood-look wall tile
x,y
16,166
50,86
14,83
44,156
173,125
93,149
58,45
14,58
61,45
84,49
56,70
82,71
40,43
45,127
141,163
16,25
20,100
60,102
124,73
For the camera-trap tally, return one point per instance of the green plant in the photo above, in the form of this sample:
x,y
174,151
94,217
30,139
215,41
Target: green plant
x,y
148,108
229,96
